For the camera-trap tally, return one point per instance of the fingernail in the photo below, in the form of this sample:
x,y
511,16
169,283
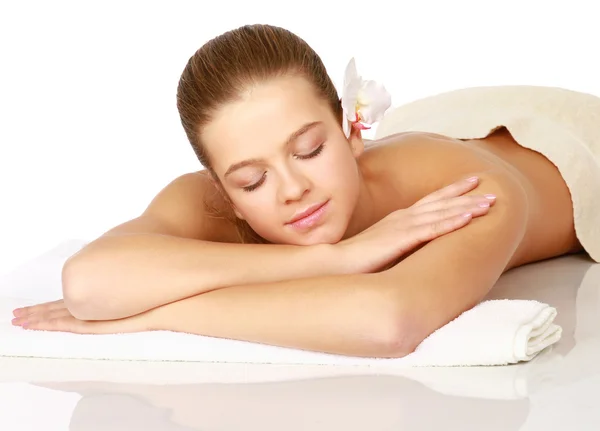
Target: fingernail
x,y
490,197
14,321
472,179
484,205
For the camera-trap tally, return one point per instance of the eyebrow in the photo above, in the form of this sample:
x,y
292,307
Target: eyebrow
x,y
302,130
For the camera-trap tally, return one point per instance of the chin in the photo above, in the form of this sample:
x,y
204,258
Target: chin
x,y
328,233
319,237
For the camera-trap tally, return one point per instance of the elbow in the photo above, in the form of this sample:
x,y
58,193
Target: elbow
x,y
397,346
395,339
388,326
80,297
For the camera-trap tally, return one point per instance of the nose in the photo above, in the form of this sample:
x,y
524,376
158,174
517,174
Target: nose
x,y
293,185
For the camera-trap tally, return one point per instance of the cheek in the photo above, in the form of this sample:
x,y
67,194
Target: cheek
x,y
258,209
341,171
266,223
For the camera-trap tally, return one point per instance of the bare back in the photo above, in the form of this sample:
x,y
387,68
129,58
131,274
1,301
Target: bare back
x,y
424,162
551,230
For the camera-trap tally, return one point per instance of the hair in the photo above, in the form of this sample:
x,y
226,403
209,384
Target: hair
x,y
224,68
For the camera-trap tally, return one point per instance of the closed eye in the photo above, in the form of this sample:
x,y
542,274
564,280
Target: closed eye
x,y
256,185
313,154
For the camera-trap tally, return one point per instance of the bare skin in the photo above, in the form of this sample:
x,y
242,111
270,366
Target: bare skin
x,y
384,314
399,182
545,237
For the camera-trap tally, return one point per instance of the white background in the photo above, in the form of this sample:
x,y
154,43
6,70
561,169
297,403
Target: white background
x,y
89,130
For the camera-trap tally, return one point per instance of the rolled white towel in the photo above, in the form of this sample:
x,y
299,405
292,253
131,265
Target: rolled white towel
x,y
495,332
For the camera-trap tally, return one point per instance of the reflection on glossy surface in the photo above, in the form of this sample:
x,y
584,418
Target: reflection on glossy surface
x,y
552,392
336,403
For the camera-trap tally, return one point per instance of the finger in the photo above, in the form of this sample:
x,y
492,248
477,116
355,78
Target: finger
x,y
73,325
430,231
456,189
32,309
472,201
41,316
476,209
53,320
63,324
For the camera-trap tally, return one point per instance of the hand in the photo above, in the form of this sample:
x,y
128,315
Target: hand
x,y
55,316
401,231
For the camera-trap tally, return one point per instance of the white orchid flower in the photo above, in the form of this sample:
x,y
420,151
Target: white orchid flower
x,y
363,102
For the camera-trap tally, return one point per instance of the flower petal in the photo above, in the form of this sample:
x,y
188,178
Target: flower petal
x,y
349,106
374,100
346,125
351,74
352,85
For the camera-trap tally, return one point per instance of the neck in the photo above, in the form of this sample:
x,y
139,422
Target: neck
x,y
365,211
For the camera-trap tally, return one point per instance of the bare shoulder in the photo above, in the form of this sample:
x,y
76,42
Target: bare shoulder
x,y
416,164
428,151
190,206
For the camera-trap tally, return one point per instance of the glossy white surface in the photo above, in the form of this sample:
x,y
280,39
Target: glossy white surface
x,y
559,390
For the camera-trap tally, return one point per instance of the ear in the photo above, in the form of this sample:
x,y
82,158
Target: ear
x,y
237,213
356,142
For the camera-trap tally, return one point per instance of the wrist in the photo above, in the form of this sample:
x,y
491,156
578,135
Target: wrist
x,y
333,259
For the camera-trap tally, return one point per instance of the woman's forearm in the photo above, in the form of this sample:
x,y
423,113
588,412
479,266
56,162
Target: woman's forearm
x,y
347,315
120,276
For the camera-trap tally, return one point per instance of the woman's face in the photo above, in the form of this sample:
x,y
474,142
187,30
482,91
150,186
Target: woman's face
x,y
283,160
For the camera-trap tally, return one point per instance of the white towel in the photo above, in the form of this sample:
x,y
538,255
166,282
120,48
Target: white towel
x,y
495,332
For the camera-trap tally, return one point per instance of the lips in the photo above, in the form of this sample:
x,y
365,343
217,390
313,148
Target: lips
x,y
303,214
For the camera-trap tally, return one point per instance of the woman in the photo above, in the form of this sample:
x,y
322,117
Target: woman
x,y
298,234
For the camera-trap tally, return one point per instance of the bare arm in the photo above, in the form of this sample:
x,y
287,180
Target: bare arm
x,y
452,274
172,252
383,315
175,251
349,315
